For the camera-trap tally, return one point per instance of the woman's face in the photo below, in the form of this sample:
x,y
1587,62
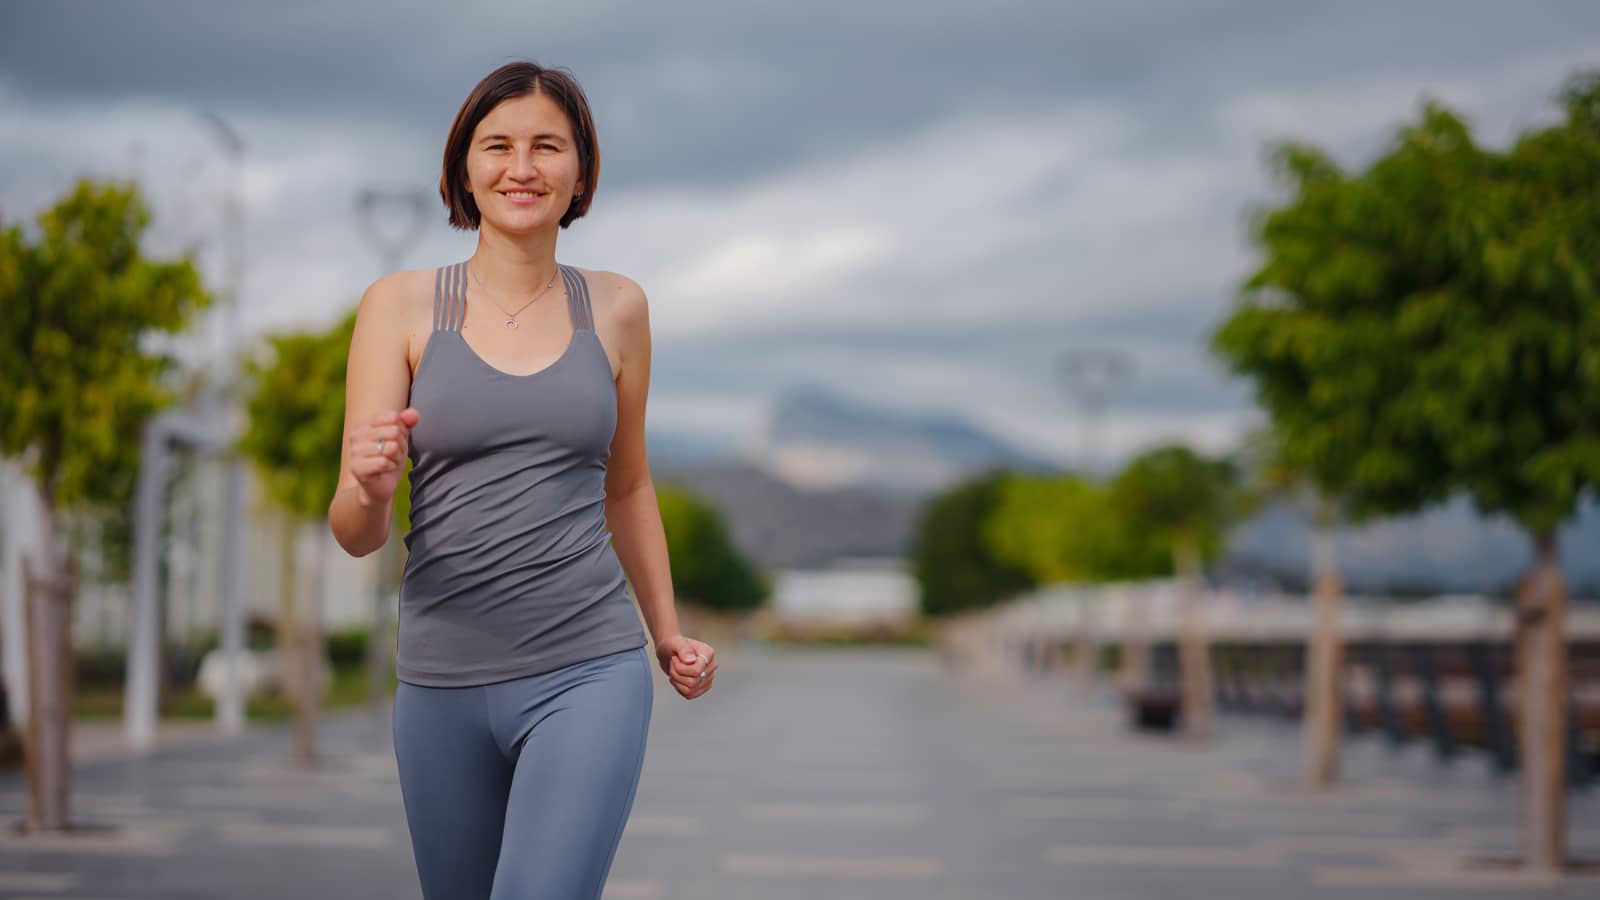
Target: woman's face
x,y
522,166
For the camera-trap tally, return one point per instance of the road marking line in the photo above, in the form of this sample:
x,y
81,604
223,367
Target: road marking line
x,y
1200,857
855,867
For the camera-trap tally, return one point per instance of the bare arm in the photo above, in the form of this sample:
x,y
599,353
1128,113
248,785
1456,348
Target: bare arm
x,y
377,385
631,511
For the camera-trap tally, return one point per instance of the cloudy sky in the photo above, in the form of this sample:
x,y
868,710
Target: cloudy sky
x,y
918,205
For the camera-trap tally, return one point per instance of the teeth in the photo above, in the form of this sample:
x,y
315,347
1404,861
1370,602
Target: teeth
x,y
521,194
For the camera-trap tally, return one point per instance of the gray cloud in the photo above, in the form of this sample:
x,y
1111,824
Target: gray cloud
x,y
706,93
918,204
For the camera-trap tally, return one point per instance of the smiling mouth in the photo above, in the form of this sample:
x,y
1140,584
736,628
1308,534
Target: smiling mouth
x,y
521,195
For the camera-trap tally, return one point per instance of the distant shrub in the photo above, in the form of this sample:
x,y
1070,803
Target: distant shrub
x,y
707,569
954,566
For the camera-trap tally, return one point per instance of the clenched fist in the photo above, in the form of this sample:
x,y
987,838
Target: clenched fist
x,y
377,453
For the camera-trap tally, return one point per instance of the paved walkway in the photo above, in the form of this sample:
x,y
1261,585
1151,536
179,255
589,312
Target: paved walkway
x,y
835,774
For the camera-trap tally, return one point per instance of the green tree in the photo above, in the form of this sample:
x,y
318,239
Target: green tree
x,y
955,567
1065,528
294,436
1315,333
1509,361
1188,502
78,298
1446,311
707,569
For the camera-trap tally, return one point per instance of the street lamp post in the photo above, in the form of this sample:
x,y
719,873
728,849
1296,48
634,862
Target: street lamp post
x,y
1091,374
230,702
213,433
392,222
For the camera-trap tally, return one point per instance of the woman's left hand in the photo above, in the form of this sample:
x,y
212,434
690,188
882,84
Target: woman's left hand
x,y
690,665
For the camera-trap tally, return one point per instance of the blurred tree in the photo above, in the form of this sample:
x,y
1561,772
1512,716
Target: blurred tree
x,y
1312,332
1508,361
80,383
955,567
1275,475
1189,502
1065,528
294,436
707,569
1440,311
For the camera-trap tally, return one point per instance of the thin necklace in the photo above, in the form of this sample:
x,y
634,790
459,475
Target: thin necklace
x,y
511,317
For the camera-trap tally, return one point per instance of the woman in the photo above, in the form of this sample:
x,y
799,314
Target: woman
x,y
516,386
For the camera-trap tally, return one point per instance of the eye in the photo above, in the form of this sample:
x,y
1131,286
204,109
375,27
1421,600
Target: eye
x,y
547,147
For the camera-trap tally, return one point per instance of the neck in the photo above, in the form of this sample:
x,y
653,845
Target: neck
x,y
515,265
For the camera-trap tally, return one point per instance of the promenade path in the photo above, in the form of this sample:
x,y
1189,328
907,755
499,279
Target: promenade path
x,y
833,774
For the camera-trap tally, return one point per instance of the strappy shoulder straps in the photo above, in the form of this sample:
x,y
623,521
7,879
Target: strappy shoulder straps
x,y
578,299
450,297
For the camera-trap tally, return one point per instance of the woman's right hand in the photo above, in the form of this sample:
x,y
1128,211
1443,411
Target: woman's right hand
x,y
377,453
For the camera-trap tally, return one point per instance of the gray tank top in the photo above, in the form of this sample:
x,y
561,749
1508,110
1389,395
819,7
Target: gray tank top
x,y
511,570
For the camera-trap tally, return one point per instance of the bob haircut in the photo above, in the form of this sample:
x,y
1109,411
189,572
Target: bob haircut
x,y
518,79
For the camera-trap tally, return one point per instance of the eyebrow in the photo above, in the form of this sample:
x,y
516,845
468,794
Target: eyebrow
x,y
548,136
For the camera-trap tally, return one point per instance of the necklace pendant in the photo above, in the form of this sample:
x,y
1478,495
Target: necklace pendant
x,y
511,323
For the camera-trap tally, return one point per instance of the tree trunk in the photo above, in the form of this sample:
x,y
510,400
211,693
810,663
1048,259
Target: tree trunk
x,y
1135,661
378,665
47,624
313,671
1086,649
1194,652
1541,664
1324,681
291,643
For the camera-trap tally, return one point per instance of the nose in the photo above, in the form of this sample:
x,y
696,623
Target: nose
x,y
522,165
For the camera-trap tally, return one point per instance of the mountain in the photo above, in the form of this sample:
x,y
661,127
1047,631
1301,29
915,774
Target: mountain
x,y
836,478
830,478
685,448
1444,550
780,526
820,439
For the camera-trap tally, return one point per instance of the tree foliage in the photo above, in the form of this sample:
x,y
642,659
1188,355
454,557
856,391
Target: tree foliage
x,y
1178,495
296,417
1511,369
955,566
77,303
1431,324
707,569
1314,332
1066,528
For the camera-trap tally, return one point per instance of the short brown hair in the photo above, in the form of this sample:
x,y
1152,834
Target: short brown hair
x,y
518,79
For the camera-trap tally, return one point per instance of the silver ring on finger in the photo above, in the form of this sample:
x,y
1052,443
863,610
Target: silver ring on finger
x,y
702,679
380,445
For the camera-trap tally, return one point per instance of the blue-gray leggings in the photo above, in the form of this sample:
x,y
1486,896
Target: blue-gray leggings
x,y
520,789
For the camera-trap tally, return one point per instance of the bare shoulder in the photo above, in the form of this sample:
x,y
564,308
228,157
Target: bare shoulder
x,y
617,299
400,296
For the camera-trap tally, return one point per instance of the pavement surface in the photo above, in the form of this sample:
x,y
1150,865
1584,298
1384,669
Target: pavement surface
x,y
841,774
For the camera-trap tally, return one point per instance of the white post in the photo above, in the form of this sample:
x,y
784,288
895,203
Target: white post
x,y
144,636
230,704
17,525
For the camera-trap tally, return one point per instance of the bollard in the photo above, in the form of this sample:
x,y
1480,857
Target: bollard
x,y
1496,731
1425,658
1388,718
